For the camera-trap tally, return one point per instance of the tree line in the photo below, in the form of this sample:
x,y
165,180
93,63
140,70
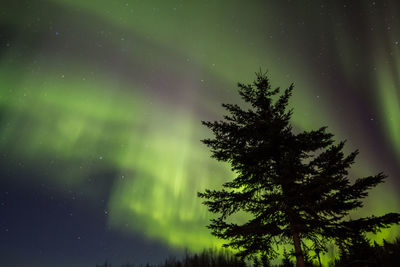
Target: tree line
x,y
360,254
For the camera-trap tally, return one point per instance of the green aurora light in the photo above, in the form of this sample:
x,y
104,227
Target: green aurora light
x,y
73,112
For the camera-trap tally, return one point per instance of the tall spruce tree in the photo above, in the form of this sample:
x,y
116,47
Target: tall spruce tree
x,y
292,186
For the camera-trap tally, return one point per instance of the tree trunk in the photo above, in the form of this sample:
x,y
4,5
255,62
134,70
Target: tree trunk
x,y
297,249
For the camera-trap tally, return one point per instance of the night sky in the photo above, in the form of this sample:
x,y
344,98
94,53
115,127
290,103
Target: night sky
x,y
101,103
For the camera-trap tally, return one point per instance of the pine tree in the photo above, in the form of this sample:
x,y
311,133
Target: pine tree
x,y
292,186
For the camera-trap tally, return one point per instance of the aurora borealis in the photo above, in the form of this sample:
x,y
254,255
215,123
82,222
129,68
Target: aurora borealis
x,y
101,103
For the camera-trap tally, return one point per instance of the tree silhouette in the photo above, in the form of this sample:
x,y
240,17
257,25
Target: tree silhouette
x,y
292,186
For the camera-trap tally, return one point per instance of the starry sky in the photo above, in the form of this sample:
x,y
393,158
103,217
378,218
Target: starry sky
x,y
101,103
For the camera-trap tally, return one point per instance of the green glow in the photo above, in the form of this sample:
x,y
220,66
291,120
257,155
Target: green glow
x,y
154,155
387,68
154,194
53,117
389,99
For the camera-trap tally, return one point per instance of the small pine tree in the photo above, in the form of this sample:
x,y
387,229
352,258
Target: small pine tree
x,y
293,186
